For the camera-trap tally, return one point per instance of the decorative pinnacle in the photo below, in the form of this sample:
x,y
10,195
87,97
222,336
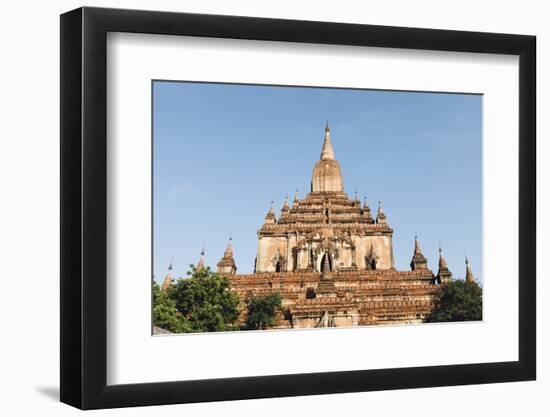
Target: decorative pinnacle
x,y
270,216
469,275
285,203
201,259
328,151
442,261
229,250
417,249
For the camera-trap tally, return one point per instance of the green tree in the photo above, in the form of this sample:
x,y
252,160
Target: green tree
x,y
261,311
165,314
206,301
458,301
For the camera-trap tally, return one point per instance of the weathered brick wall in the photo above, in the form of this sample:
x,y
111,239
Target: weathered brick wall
x,y
362,298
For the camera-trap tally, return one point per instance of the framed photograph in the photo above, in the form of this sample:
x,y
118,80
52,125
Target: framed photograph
x,y
256,208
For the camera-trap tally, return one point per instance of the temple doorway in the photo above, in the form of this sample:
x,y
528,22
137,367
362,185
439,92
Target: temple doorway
x,y
330,262
370,264
279,265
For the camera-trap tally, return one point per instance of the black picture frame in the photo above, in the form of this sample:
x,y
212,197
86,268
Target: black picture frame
x,y
84,207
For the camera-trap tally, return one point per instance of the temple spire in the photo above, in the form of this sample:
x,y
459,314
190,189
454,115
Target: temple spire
x,y
295,198
443,274
418,261
328,152
270,216
417,249
285,207
442,260
168,279
469,275
327,175
227,264
201,265
229,249
380,216
366,211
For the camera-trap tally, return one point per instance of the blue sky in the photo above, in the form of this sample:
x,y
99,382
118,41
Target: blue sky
x,y
223,152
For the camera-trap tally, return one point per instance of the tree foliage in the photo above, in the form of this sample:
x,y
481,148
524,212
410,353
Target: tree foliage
x,y
261,311
165,314
202,302
458,301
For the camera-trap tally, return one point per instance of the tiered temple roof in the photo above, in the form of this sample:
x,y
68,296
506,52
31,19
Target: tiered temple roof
x,y
332,262
322,210
327,205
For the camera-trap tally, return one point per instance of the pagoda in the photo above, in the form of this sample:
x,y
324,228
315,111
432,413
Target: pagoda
x,y
332,262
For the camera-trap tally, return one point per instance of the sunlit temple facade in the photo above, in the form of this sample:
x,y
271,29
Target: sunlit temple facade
x,y
331,260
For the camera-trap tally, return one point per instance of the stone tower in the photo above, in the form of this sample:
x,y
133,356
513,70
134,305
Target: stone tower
x,y
325,223
418,261
327,175
227,265
332,263
443,274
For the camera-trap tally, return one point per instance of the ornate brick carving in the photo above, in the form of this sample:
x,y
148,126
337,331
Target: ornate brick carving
x,y
332,263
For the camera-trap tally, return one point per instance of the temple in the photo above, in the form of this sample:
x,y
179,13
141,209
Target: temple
x,y
331,260
326,224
